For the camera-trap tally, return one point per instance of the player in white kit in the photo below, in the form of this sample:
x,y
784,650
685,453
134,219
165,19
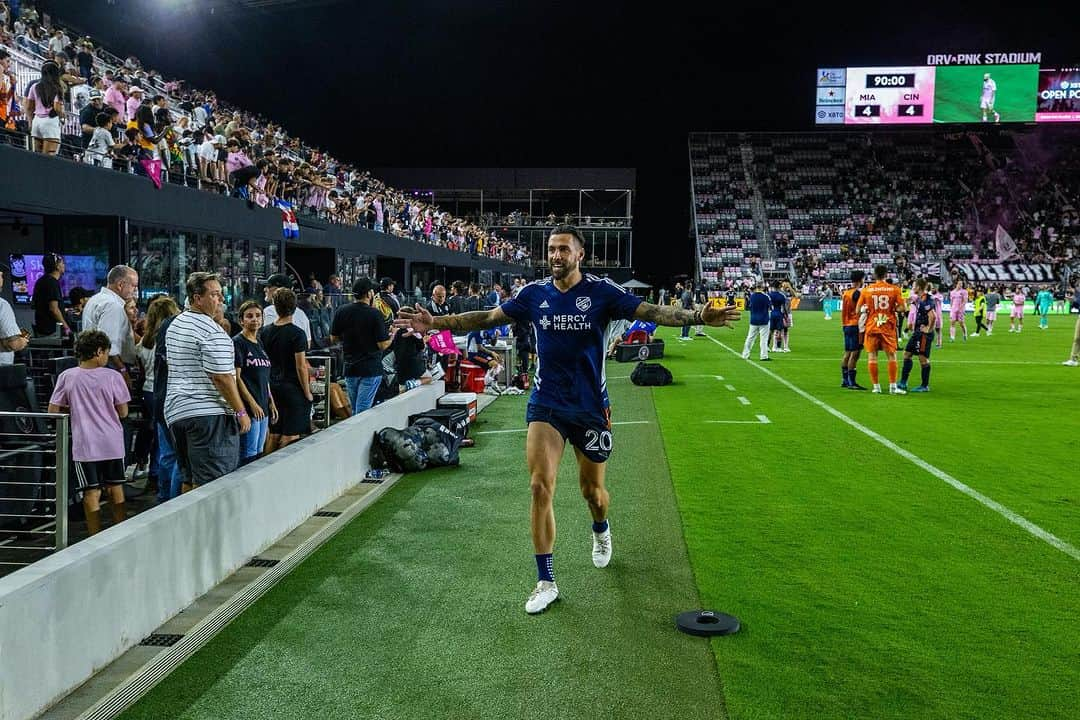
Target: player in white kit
x,y
989,94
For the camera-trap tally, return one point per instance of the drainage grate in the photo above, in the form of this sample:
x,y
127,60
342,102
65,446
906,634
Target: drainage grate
x,y
327,513
261,562
162,640
372,481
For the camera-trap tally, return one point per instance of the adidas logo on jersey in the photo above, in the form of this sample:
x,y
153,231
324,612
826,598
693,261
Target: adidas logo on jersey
x,y
544,304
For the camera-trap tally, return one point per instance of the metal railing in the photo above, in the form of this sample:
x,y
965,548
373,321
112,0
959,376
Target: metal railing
x,y
33,486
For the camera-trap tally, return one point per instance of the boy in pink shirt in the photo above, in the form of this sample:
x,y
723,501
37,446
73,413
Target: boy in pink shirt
x,y
96,398
957,305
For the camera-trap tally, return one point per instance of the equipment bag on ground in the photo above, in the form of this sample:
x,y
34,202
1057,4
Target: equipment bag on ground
x,y
424,444
650,374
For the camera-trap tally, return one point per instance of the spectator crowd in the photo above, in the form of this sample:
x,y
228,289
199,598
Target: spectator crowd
x,y
115,113
830,203
210,391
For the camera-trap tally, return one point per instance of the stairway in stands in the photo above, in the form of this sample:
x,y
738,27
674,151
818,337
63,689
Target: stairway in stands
x,y
757,204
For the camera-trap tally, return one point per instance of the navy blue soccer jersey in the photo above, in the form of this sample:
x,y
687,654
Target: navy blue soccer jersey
x,y
923,309
778,300
570,328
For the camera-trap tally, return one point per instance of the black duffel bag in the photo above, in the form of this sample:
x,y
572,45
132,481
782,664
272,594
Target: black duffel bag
x,y
425,444
650,374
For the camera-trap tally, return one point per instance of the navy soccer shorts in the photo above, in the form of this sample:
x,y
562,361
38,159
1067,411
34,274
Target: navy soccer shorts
x,y
588,432
920,344
851,338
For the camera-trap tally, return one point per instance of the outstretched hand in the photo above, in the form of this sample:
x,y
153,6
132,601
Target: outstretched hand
x,y
415,318
721,317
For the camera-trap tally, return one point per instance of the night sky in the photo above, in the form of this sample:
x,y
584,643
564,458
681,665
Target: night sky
x,y
517,84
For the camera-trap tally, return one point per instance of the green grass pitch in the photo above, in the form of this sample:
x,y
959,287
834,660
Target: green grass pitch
x,y
957,89
868,587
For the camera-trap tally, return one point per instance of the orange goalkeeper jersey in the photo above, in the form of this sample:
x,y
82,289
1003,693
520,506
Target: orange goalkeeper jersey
x,y
882,301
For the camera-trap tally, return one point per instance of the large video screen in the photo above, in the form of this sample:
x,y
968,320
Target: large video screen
x,y
1059,96
26,270
986,93
946,94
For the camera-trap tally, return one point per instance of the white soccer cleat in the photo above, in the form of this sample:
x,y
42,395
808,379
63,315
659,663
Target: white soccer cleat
x,y
894,390
541,597
876,389
1071,363
601,548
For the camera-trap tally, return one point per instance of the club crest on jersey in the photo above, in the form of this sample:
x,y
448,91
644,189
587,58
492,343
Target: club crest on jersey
x,y
583,303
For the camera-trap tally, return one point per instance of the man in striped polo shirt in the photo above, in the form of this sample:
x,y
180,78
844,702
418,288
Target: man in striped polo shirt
x,y
203,408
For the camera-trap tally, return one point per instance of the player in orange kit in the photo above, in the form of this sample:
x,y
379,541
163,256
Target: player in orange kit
x,y
879,302
853,341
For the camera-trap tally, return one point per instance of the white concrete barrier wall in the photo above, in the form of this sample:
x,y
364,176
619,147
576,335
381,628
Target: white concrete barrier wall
x,y
65,617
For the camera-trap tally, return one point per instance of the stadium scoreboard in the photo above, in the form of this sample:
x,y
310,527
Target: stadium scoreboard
x,y
957,88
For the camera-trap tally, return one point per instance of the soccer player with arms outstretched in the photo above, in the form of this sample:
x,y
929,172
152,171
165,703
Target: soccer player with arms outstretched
x,y
853,341
879,302
922,337
570,311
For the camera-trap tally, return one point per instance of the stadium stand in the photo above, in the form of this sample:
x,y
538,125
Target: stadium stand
x,y
203,142
817,206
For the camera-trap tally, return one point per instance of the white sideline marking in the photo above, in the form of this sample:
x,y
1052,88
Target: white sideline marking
x,y
743,400
730,387
627,377
950,362
761,420
994,505
514,430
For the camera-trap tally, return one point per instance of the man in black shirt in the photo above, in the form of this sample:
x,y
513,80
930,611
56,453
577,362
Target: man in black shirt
x,y
85,59
457,297
88,116
363,336
410,358
48,297
473,303
386,292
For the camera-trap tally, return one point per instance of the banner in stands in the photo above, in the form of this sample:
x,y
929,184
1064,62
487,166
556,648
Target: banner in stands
x,y
926,269
80,98
1007,272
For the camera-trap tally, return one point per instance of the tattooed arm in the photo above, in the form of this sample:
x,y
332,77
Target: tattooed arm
x,y
676,316
421,320
667,315
469,321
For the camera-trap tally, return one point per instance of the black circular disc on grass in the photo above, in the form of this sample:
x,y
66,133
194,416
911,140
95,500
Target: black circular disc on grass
x,y
706,623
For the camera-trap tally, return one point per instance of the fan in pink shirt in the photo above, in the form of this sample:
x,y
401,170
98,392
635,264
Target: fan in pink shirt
x,y
134,101
114,98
